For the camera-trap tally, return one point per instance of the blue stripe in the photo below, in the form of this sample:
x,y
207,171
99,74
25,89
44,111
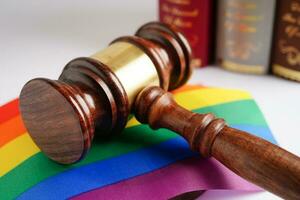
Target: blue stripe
x,y
106,172
109,171
260,131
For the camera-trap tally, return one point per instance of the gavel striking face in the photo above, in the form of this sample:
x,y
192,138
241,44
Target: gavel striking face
x,y
95,95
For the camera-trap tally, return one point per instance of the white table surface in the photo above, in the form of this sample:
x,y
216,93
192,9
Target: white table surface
x,y
37,38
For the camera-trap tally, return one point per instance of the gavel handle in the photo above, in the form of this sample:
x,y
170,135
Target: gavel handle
x,y
258,161
250,157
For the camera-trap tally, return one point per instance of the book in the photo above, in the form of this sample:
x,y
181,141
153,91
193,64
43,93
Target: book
x,y
244,35
194,19
286,50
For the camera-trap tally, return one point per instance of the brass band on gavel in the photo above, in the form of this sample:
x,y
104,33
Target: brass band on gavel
x,y
95,95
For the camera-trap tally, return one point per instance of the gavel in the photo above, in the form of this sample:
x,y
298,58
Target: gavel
x,y
97,94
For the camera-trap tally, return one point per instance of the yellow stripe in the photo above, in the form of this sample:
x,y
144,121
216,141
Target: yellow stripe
x,y
21,148
204,97
208,97
15,152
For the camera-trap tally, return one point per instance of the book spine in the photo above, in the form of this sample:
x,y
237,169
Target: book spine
x,y
193,18
286,50
244,35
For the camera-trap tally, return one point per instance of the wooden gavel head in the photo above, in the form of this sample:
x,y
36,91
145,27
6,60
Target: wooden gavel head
x,y
96,94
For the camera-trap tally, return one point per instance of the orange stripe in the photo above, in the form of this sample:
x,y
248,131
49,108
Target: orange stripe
x,y
9,110
187,88
11,129
13,125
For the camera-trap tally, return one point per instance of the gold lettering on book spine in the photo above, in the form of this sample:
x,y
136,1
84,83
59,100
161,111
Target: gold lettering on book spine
x,y
253,69
237,21
292,53
181,14
285,72
178,16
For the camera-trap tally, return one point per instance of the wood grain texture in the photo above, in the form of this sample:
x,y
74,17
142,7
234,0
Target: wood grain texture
x,y
55,126
62,116
177,47
259,161
252,158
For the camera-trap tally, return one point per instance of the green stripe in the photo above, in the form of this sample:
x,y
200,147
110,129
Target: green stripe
x,y
238,112
38,167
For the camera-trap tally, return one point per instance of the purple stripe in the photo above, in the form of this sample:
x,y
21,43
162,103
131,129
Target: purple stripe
x,y
193,173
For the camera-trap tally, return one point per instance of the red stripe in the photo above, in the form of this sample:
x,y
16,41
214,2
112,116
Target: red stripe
x,y
9,110
11,124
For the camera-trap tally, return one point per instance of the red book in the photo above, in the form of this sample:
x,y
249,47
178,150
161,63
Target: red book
x,y
193,18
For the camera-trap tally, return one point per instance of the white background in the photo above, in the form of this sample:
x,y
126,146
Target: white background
x,y
38,37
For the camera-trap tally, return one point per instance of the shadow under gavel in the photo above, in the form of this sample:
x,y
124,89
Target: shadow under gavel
x,y
133,74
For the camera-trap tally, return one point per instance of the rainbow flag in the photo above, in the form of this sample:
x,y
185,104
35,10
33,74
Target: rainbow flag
x,y
138,164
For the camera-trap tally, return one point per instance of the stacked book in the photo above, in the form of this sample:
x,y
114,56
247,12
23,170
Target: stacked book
x,y
248,36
